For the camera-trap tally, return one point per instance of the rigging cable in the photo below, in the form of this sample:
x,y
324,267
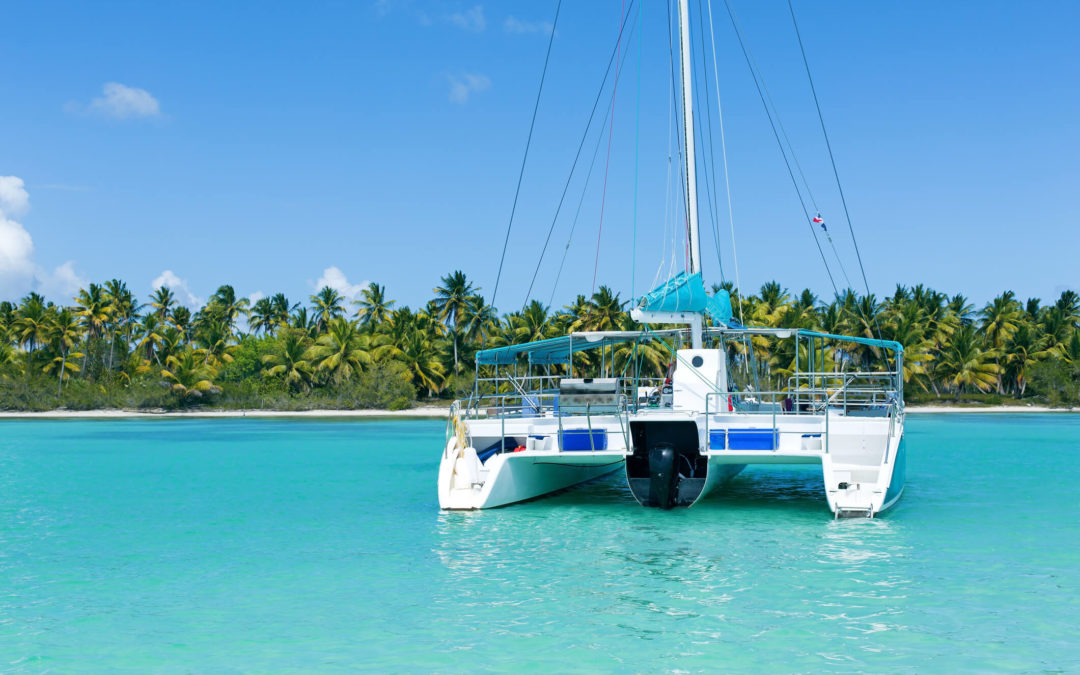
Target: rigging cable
x,y
795,161
680,140
623,13
723,151
577,156
776,135
528,143
836,173
585,187
713,199
828,146
637,149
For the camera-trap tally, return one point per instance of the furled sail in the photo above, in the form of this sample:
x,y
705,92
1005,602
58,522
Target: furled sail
x,y
685,292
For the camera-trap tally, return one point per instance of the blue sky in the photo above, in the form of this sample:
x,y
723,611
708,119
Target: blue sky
x,y
274,146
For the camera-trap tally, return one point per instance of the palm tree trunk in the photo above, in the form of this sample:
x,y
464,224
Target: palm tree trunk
x,y
63,366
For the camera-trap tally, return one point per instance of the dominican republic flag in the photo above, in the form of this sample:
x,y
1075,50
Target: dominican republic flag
x,y
818,220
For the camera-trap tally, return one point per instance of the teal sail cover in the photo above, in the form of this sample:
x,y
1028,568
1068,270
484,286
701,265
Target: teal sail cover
x,y
719,307
682,293
686,293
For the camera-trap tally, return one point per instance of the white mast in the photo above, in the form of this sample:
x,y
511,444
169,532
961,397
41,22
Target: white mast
x,y
688,137
694,319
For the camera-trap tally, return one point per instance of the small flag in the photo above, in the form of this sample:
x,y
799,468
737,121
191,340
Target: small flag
x,y
818,220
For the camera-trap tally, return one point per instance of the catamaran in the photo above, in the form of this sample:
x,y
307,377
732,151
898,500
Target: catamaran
x,y
530,427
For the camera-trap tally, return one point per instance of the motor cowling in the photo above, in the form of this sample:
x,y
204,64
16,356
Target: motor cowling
x,y
663,476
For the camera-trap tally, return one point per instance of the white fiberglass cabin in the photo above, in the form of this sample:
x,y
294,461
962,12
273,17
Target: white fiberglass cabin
x,y
528,430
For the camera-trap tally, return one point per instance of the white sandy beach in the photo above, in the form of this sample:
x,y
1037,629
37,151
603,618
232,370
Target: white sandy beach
x,y
988,409
428,412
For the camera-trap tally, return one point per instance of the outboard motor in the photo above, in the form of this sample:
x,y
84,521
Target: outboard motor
x,y
666,468
663,476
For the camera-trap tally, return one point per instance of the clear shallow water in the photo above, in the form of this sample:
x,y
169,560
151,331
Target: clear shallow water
x,y
234,545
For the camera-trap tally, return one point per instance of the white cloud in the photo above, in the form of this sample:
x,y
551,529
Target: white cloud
x,y
471,19
18,272
16,259
256,296
62,284
14,199
515,25
466,84
121,102
179,288
335,279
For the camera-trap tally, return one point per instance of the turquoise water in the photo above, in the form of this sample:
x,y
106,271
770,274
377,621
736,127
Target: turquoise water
x,y
234,545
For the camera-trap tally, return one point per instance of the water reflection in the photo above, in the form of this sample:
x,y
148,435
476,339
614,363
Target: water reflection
x,y
758,562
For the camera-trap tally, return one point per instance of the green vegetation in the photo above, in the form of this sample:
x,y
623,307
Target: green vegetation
x,y
108,350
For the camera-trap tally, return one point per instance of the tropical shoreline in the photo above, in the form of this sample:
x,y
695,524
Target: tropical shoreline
x,y
420,412
935,409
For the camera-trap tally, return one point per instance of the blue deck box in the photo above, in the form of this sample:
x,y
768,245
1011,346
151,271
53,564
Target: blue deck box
x,y
578,439
743,439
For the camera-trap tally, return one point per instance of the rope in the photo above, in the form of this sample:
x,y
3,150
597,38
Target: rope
x,y
577,155
776,135
528,143
723,151
607,162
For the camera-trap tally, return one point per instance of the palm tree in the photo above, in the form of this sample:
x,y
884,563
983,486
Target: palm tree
x,y
1000,318
908,327
1025,348
340,352
32,322
94,308
604,311
214,345
262,317
162,300
7,314
1069,303
301,321
480,318
225,304
9,358
189,375
417,354
281,309
123,310
532,323
181,318
172,342
373,308
327,304
64,334
289,361
150,336
452,300
966,364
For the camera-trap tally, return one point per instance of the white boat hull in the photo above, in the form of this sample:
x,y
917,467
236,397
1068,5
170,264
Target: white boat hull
x,y
863,461
513,477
